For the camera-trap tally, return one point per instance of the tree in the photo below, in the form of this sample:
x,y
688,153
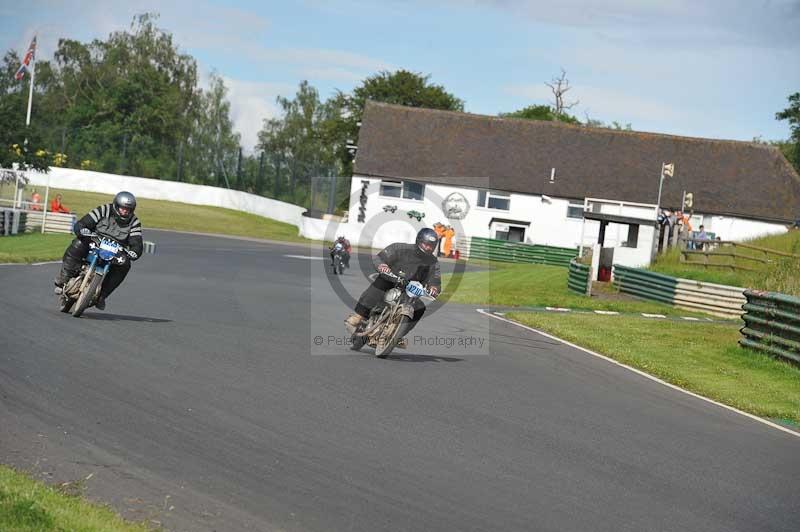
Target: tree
x,y
541,112
212,146
402,88
302,143
792,114
123,105
560,86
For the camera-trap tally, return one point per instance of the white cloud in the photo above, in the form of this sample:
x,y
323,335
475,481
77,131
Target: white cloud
x,y
251,103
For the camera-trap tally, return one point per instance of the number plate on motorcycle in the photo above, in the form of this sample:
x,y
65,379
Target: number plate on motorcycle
x,y
108,245
415,289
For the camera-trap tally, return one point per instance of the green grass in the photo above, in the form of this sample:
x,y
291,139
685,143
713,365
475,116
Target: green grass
x,y
778,276
33,247
537,285
155,214
184,217
703,358
29,506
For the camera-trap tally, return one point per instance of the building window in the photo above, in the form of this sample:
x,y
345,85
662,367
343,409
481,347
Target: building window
x,y
633,237
403,189
413,191
494,200
575,210
391,189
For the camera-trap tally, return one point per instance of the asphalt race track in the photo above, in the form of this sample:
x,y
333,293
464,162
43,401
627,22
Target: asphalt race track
x,y
200,399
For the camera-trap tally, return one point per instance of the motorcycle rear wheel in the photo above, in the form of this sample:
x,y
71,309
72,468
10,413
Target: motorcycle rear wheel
x,y
65,303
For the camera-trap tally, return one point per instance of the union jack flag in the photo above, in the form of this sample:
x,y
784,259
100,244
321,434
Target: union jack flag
x,y
26,62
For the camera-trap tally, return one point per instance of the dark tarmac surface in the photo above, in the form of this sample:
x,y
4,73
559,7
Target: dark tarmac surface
x,y
200,399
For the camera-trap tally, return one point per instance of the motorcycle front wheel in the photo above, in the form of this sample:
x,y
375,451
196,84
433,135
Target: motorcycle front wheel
x,y
391,337
87,296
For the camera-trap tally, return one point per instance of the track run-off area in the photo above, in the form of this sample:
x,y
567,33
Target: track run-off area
x,y
217,392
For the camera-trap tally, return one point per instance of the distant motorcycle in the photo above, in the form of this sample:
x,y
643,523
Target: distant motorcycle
x,y
82,291
382,329
337,258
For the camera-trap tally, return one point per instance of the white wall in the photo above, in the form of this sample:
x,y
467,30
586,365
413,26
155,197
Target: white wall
x,y
170,191
738,229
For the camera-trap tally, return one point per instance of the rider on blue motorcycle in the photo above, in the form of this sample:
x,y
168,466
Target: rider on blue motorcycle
x,y
115,220
418,263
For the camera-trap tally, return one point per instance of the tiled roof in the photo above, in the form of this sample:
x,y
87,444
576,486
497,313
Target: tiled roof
x,y
516,155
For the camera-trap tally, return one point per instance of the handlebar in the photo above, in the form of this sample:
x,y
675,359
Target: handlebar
x,y
402,280
95,239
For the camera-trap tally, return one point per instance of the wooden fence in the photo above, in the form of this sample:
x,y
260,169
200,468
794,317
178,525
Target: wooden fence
x,y
728,249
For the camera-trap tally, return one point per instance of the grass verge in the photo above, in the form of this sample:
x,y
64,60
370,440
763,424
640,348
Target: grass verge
x,y
702,358
537,285
30,506
160,214
33,247
154,214
777,276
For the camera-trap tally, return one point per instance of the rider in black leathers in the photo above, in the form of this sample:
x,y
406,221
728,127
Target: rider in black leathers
x,y
115,220
418,263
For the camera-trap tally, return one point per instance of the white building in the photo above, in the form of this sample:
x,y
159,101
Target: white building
x,y
529,181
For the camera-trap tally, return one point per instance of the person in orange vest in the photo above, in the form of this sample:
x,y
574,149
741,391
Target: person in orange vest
x,y
36,201
447,247
57,206
439,228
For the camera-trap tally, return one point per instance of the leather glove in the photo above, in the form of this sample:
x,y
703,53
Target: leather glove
x,y
86,232
433,291
384,268
132,254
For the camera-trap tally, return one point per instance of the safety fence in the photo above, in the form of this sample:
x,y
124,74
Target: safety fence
x,y
505,251
772,324
716,299
12,221
579,278
54,222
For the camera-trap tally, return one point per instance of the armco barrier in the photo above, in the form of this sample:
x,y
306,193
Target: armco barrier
x,y
719,300
579,278
12,221
772,324
505,251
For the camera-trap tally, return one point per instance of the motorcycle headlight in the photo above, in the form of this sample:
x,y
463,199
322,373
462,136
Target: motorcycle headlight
x,y
391,295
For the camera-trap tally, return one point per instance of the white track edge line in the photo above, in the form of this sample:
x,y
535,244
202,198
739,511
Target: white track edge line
x,y
646,375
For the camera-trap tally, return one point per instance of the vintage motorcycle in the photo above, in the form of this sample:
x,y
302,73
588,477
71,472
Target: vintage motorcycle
x,y
82,291
382,329
337,258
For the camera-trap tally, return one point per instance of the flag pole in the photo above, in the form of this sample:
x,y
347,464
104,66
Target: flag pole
x,y
30,94
30,101
660,184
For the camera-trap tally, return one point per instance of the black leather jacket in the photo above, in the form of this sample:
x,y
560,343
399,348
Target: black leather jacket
x,y
415,264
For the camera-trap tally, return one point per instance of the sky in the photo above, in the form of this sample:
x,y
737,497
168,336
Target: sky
x,y
700,68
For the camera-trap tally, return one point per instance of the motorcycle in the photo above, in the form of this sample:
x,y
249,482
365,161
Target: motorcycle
x,y
382,329
337,259
82,291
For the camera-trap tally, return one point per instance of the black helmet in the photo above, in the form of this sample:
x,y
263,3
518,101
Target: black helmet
x,y
426,240
124,200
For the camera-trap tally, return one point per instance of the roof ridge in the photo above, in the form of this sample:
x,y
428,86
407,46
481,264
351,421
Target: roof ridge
x,y
549,123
